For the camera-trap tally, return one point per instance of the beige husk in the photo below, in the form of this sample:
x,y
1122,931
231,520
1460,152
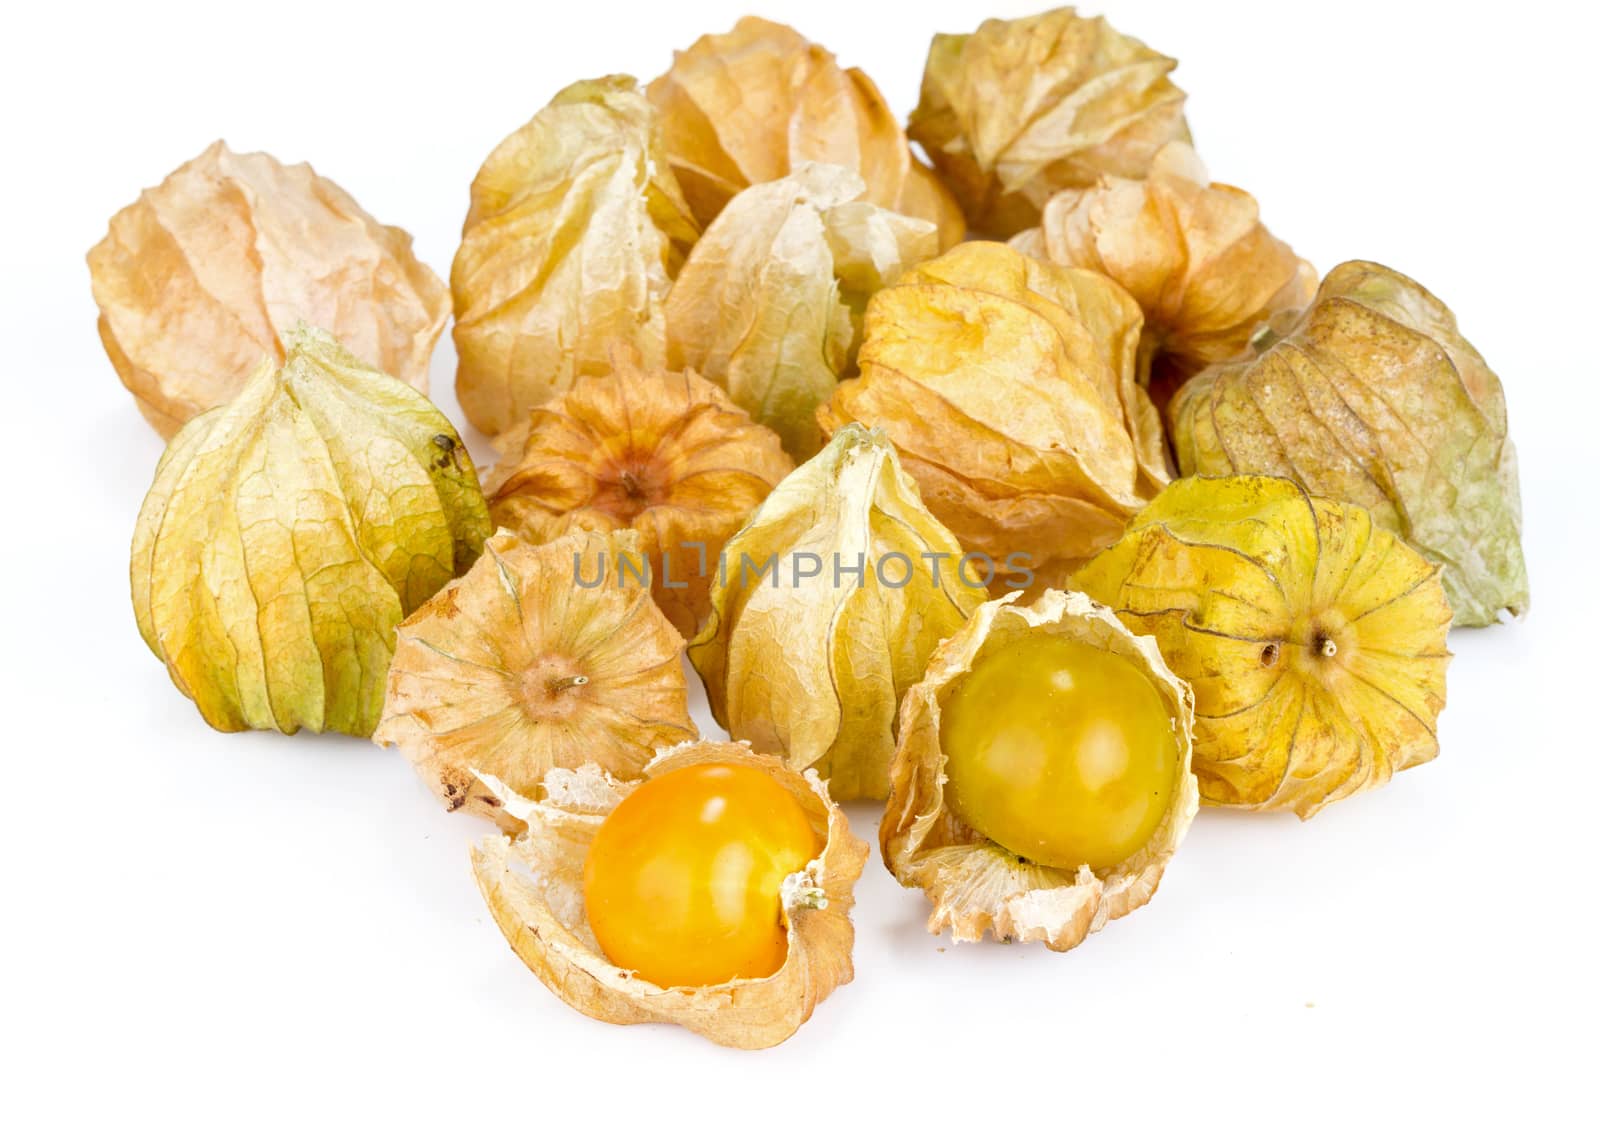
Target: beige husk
x,y
515,669
755,103
534,889
975,885
207,273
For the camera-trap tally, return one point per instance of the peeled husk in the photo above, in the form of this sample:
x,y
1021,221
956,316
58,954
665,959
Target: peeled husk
x,y
756,103
667,455
1021,109
812,668
1009,386
207,272
575,231
288,532
769,303
1194,256
534,889
1372,396
1313,638
539,657
976,886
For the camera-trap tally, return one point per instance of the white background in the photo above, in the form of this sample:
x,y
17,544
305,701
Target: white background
x,y
213,930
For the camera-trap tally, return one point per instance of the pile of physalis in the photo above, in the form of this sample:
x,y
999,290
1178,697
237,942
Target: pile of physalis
x,y
1125,515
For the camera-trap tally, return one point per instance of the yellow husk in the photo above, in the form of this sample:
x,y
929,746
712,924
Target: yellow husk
x,y
575,231
1020,109
1314,639
812,667
287,532
976,886
769,303
1009,387
534,889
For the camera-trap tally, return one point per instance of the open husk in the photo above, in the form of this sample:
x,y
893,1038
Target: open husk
x,y
976,886
205,274
1020,109
538,657
1373,397
534,888
1194,255
1313,638
665,454
1009,387
769,303
757,102
288,531
826,609
575,231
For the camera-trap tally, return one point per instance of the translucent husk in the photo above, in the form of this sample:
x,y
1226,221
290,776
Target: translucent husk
x,y
539,657
1194,256
667,455
756,103
1021,109
769,303
288,532
206,274
1009,386
534,889
575,231
1313,638
975,885
1372,396
812,667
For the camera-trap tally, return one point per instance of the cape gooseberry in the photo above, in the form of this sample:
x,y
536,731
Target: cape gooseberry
x,y
1059,752
683,880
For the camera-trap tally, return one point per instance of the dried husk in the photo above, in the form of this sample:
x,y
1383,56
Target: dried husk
x,y
1313,638
1372,396
1194,256
667,455
756,103
1009,386
204,275
769,303
288,532
534,889
575,231
539,657
975,885
1021,109
812,667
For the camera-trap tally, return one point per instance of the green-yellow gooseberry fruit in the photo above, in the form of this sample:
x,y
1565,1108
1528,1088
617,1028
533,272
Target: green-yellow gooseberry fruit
x,y
1060,752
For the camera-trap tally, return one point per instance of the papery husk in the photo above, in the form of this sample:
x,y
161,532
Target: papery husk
x,y
534,889
756,103
538,657
769,303
1021,109
1194,255
667,455
1009,386
288,532
206,273
575,231
812,668
975,885
1313,638
1372,396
